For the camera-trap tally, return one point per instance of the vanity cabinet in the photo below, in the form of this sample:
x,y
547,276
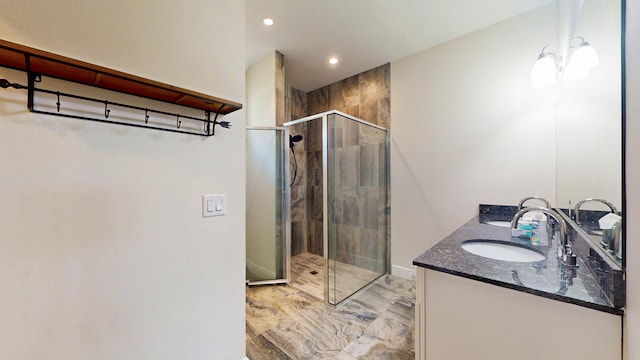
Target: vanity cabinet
x,y
461,318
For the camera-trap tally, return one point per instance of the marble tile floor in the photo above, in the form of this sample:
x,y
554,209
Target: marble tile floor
x,y
307,274
292,322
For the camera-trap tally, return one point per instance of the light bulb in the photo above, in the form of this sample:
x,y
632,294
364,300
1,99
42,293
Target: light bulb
x,y
543,72
586,56
582,60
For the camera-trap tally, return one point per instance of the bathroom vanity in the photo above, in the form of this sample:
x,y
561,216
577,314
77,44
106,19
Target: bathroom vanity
x,y
474,307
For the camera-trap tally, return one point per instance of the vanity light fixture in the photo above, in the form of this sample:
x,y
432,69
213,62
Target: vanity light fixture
x,y
545,69
333,60
267,21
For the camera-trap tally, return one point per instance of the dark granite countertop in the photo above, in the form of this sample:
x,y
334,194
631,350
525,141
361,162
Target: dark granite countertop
x,y
546,278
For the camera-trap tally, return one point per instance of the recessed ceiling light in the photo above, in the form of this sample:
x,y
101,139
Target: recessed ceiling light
x,y
267,21
333,60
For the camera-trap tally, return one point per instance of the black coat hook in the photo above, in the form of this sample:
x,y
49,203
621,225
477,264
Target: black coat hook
x,y
58,103
207,122
106,110
178,122
146,116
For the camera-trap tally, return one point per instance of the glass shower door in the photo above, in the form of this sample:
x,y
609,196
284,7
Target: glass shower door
x,y
267,214
356,203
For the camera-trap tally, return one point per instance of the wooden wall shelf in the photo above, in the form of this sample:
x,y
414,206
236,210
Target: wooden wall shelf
x,y
37,62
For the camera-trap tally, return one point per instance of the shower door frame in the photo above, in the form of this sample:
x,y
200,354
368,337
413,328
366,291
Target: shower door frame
x,y
286,208
325,188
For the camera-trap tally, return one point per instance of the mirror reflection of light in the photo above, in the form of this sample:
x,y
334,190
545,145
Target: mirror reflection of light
x,y
546,71
582,60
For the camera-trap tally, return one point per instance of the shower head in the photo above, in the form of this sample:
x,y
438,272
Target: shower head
x,y
294,139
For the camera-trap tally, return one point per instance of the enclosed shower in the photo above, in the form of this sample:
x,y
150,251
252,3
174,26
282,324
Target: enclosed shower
x,y
338,212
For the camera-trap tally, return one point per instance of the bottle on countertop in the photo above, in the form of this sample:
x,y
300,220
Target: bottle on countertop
x,y
543,234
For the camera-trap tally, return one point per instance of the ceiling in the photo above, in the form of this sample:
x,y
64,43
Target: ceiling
x,y
362,34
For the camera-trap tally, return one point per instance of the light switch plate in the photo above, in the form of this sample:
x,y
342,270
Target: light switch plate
x,y
213,205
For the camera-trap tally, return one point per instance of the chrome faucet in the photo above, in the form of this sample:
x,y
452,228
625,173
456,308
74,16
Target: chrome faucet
x,y
576,210
521,203
564,249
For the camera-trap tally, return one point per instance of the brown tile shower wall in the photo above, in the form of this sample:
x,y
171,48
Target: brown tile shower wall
x,y
360,176
299,191
360,194
296,108
365,96
360,198
295,104
314,187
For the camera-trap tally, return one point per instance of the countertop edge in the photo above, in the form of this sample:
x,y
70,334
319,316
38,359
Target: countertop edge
x,y
607,309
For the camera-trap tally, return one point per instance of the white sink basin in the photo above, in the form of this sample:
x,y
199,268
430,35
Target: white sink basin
x,y
502,250
499,223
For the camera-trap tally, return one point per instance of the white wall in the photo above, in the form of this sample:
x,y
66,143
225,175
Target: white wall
x,y
261,92
104,252
467,129
632,236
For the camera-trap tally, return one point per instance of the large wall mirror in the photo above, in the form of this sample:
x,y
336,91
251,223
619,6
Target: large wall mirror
x,y
589,127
